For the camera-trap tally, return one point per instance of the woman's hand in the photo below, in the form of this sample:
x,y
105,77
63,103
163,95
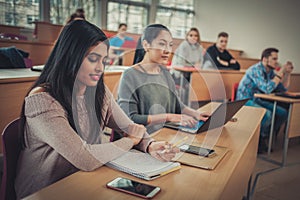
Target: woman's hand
x,y
185,120
136,132
162,150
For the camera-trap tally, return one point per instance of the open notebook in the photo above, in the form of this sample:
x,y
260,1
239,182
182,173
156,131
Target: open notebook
x,y
142,165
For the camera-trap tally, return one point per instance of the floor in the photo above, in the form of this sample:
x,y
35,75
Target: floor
x,y
282,183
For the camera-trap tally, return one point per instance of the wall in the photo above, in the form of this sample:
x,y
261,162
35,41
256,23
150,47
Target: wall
x,y
253,25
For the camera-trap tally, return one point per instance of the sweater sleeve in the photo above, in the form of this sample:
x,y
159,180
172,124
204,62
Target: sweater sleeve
x,y
47,123
118,120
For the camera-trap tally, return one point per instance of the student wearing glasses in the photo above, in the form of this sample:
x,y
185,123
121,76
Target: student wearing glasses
x,y
217,56
263,78
66,111
147,90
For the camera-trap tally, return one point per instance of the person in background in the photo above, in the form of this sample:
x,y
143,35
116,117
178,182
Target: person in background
x,y
188,54
66,110
147,90
190,51
78,15
262,78
117,42
217,57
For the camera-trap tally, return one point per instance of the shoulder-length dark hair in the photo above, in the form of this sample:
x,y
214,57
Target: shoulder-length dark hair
x,y
60,71
149,34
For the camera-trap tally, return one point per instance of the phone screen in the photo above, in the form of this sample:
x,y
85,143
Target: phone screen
x,y
196,150
133,187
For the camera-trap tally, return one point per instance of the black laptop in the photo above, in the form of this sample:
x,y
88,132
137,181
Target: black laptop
x,y
218,118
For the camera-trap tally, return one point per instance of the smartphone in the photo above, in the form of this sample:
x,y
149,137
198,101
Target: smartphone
x,y
133,187
197,150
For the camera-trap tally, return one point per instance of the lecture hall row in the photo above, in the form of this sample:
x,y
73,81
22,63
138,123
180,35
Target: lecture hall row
x,y
46,33
16,84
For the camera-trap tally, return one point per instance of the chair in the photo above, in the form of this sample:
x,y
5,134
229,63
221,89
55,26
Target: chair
x,y
11,150
234,90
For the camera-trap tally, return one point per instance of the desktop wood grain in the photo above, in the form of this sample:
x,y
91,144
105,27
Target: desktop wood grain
x,y
228,181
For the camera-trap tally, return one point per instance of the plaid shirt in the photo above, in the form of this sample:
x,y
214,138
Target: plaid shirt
x,y
257,80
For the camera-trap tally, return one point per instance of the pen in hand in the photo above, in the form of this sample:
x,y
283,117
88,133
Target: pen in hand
x,y
174,145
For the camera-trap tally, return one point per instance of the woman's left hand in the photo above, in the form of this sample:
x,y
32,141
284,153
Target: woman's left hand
x,y
162,150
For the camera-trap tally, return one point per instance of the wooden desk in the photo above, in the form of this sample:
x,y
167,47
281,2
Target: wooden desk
x,y
15,83
227,181
217,84
292,128
38,51
213,84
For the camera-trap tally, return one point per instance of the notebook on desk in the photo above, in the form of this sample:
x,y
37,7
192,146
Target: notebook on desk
x,y
294,95
218,118
142,165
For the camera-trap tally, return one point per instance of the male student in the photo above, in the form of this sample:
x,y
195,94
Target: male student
x,y
218,56
118,40
262,78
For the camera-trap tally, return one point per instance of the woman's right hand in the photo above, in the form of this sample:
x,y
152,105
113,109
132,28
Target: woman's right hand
x,y
185,120
136,132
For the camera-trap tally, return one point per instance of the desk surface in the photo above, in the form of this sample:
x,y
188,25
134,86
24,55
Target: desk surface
x,y
228,181
277,98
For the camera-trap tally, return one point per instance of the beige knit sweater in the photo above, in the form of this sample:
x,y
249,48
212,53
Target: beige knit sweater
x,y
54,150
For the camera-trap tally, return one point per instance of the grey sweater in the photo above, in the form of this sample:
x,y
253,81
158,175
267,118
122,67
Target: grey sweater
x,y
141,94
54,150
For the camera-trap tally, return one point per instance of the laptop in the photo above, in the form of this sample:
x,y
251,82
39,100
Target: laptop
x,y
218,118
294,95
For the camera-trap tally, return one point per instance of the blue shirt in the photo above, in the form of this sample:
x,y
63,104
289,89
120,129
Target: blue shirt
x,y
257,80
118,42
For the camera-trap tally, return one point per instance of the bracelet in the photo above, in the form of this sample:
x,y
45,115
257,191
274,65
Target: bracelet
x,y
278,76
147,149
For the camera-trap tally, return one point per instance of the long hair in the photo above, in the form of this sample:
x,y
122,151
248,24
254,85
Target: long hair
x,y
60,71
149,34
197,31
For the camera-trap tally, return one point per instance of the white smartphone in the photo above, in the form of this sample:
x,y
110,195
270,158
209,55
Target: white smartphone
x,y
133,187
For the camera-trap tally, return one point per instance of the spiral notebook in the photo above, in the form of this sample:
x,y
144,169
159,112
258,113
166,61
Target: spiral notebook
x,y
142,165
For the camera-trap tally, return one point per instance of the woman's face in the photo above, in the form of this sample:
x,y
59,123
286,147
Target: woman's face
x,y
160,48
92,67
192,37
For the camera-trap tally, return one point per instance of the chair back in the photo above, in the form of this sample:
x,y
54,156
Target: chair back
x,y
234,90
11,150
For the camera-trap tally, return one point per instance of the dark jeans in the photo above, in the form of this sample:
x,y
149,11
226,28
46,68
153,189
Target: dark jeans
x,y
281,115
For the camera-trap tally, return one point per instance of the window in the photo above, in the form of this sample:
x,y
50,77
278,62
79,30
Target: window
x,y
15,12
61,10
32,18
134,13
177,15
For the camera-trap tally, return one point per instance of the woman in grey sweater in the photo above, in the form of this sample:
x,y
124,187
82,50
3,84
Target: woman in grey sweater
x,y
147,90
66,110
